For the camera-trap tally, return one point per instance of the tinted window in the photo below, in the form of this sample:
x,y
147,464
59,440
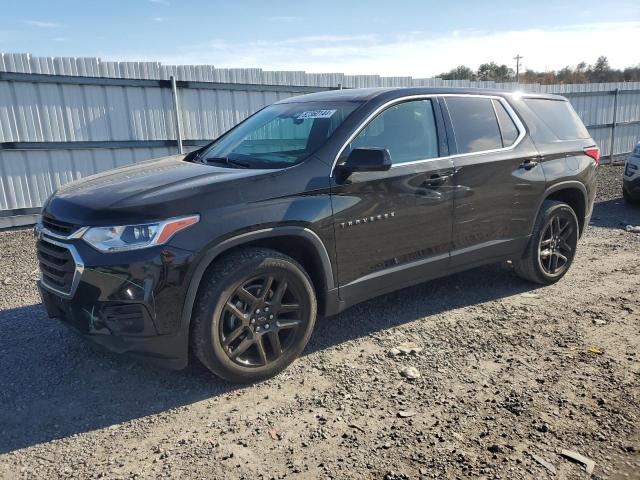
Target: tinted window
x,y
559,116
407,130
507,127
280,135
474,124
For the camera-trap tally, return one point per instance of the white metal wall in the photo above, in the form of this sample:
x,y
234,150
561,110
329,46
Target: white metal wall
x,y
63,112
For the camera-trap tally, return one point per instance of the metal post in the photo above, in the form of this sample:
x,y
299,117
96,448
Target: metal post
x,y
176,109
613,123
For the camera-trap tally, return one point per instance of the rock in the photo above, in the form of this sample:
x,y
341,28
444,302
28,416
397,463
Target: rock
x,y
406,413
410,372
529,295
404,349
6,281
408,349
495,448
588,464
544,428
391,475
633,228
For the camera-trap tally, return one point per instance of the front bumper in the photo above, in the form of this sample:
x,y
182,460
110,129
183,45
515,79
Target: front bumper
x,y
129,302
167,351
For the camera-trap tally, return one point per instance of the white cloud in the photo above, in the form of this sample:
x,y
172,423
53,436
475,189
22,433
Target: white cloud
x,y
161,2
40,24
60,39
159,19
420,54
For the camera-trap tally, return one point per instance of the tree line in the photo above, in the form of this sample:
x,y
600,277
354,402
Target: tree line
x,y
599,72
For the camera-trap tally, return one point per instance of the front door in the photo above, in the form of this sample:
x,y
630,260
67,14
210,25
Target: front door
x,y
392,228
498,181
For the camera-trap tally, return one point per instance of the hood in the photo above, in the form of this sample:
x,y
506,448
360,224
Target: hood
x,y
149,190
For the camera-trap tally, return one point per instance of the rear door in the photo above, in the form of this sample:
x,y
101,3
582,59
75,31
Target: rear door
x,y
498,178
393,228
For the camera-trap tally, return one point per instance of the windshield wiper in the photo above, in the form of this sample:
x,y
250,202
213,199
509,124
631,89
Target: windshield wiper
x,y
227,161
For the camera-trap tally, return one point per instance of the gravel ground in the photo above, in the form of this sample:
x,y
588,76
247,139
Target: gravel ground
x,y
508,375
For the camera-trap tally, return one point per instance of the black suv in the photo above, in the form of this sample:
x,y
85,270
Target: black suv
x,y
309,206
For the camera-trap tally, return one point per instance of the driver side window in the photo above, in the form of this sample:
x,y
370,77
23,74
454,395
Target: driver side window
x,y
407,130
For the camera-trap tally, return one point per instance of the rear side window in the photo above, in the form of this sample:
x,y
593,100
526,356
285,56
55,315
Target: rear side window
x,y
507,127
474,124
559,117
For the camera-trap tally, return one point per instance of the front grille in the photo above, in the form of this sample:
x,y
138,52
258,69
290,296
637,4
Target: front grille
x,y
56,226
57,266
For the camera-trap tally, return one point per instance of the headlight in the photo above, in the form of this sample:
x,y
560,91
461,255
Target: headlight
x,y
133,237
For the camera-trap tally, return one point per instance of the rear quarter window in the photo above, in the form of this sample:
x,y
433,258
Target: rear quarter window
x,y
559,117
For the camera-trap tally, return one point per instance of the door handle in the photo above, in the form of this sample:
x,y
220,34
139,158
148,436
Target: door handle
x,y
436,180
529,163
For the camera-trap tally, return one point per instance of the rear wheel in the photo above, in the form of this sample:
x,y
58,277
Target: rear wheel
x,y
552,246
630,198
254,314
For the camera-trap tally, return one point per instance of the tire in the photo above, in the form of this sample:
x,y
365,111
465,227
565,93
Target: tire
x,y
237,315
547,248
630,198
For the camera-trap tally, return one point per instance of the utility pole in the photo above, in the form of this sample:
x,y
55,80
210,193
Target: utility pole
x,y
517,58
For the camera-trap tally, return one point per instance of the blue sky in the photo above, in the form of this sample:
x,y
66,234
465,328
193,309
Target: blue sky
x,y
419,38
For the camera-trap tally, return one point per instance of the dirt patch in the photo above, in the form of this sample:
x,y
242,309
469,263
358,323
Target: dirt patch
x,y
509,375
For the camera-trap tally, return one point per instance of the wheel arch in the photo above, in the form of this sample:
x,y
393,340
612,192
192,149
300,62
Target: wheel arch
x,y
571,192
308,249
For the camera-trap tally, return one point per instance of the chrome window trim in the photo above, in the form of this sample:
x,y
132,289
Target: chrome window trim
x,y
495,112
519,125
79,268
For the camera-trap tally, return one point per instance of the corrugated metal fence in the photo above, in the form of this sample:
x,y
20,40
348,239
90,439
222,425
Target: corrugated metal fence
x,y
65,118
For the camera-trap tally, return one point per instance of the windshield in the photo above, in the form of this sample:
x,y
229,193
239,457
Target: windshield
x,y
278,136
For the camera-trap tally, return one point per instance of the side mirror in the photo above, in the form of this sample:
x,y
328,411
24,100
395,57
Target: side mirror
x,y
368,160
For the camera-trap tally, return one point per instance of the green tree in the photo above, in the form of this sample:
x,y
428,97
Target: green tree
x,y
631,74
495,72
461,72
601,71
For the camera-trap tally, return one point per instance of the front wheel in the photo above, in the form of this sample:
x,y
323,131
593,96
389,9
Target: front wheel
x,y
552,246
253,316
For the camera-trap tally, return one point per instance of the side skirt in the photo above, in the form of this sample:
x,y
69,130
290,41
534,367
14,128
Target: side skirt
x,y
414,273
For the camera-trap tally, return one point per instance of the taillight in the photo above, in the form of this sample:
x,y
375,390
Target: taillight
x,y
593,152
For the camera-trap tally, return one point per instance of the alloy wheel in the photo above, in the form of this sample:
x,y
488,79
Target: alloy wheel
x,y
557,244
261,318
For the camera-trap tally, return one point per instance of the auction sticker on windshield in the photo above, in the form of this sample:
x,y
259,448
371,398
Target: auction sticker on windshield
x,y
316,114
